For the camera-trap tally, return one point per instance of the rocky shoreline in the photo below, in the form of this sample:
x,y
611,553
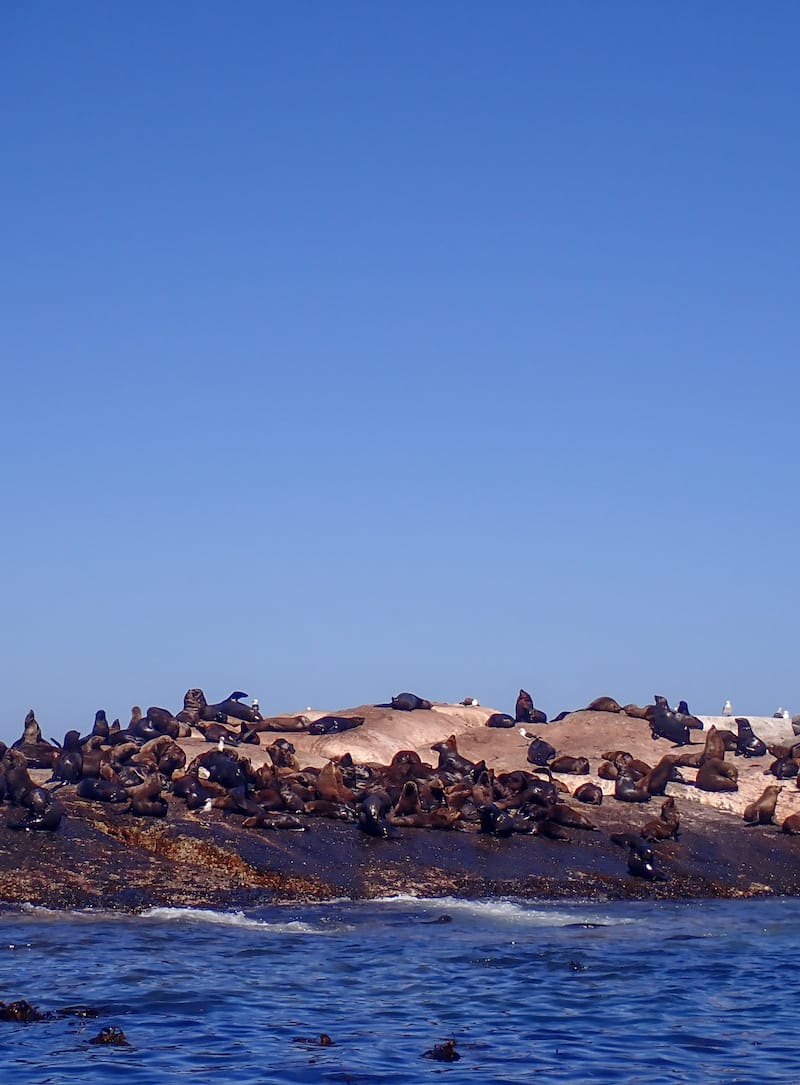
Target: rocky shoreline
x,y
100,857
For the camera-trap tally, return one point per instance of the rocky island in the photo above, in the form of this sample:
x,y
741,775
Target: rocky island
x,y
293,822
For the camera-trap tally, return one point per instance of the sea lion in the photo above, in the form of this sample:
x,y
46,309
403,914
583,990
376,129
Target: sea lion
x,y
666,724
748,744
231,706
714,748
635,711
717,775
408,803
450,760
43,812
110,1036
294,723
657,779
147,800
640,861
409,702
762,811
666,825
444,1052
495,821
372,812
68,765
627,788
540,752
589,793
500,719
603,704
791,824
524,710
334,725
163,721
576,766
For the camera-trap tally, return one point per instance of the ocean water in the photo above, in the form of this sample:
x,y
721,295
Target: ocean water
x,y
620,992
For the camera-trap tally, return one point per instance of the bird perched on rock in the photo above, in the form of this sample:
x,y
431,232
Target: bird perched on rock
x,y
727,709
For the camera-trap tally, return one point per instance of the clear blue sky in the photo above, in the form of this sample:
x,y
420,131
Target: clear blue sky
x,y
353,348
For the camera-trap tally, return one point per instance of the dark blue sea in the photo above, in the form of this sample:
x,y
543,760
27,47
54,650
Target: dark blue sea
x,y
636,993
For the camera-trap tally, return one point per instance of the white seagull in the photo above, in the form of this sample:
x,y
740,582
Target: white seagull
x,y
727,709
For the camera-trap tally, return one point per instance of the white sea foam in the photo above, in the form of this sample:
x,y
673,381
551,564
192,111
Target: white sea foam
x,y
234,919
512,911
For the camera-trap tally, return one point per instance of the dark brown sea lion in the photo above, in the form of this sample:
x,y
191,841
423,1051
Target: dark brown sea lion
x,y
110,1036
495,821
147,800
372,812
627,788
163,721
540,752
714,748
603,704
38,753
762,811
717,775
563,814
524,710
295,723
68,765
43,812
576,766
666,826
408,803
500,719
635,711
589,793
791,824
409,702
444,1052
748,744
657,779
334,725
666,724
450,760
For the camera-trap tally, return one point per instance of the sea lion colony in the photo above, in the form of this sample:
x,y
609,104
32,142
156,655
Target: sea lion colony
x,y
139,767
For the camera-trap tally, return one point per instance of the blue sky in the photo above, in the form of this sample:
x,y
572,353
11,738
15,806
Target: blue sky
x,y
353,348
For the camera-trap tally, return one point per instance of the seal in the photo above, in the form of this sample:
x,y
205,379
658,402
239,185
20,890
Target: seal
x,y
762,811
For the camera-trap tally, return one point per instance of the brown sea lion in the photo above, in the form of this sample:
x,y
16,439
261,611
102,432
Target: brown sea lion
x,y
762,811
791,824
589,793
577,766
635,711
666,826
524,710
717,775
603,704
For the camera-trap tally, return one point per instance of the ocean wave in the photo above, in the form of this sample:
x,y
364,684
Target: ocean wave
x,y
513,911
209,917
